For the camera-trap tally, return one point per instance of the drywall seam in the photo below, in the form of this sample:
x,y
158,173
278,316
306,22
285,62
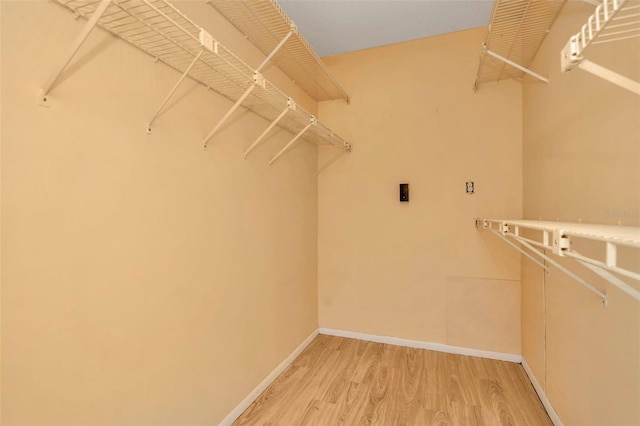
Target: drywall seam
x,y
245,403
440,347
542,395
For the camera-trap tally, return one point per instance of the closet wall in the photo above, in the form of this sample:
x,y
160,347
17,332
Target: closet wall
x,y
144,280
582,162
420,270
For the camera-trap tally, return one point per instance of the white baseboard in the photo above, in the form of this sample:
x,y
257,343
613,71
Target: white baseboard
x,y
542,395
440,347
235,413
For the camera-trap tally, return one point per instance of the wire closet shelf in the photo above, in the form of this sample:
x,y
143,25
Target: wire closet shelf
x,y
612,21
165,33
268,27
517,28
558,238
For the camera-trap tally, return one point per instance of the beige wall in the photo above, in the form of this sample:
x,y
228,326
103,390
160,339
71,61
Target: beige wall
x,y
144,280
420,270
581,158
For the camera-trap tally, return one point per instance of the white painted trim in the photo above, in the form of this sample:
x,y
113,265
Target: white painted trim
x,y
542,395
440,347
245,403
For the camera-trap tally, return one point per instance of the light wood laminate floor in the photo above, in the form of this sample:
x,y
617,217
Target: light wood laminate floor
x,y
339,381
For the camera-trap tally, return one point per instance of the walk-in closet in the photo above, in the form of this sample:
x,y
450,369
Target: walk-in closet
x,y
287,213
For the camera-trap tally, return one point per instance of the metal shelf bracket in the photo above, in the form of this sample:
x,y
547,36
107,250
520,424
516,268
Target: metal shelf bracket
x,y
158,28
291,106
576,278
267,26
613,20
610,76
79,41
515,65
556,237
258,80
173,90
276,49
515,246
312,122
516,31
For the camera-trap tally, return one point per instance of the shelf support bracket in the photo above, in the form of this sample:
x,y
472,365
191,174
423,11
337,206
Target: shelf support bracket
x,y
182,77
257,81
312,122
89,26
291,105
562,268
275,50
611,278
515,246
610,76
515,65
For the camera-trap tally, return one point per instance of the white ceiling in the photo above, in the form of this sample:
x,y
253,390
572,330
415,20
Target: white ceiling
x,y
338,26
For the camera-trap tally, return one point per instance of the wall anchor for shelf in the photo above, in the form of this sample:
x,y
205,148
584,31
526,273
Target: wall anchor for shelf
x,y
312,122
561,242
89,26
258,80
173,90
291,106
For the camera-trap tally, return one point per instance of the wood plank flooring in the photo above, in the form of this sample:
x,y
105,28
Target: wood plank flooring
x,y
339,381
